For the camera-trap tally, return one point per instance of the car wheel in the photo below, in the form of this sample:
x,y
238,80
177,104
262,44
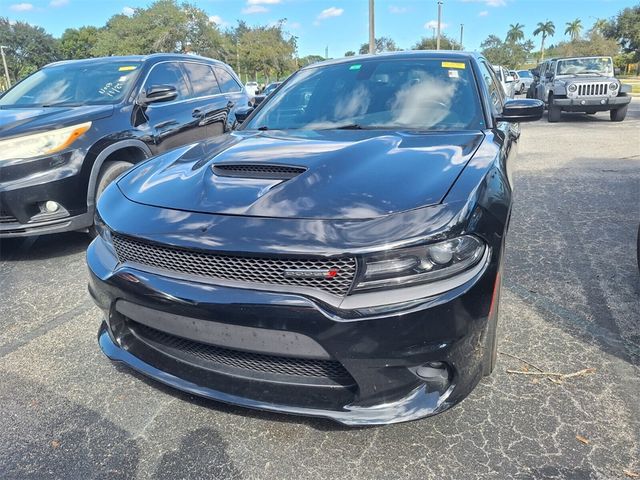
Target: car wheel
x,y
554,111
491,340
618,114
108,173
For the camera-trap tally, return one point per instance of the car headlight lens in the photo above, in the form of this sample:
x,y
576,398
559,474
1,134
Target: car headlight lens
x,y
572,87
426,263
35,145
613,85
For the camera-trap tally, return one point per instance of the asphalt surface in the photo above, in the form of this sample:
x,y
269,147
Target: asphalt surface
x,y
570,302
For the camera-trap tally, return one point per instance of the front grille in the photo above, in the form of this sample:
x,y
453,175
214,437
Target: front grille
x,y
592,89
254,362
6,218
260,270
250,170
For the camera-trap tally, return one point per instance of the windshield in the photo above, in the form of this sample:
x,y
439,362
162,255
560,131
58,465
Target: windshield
x,y
576,66
82,83
524,73
271,87
421,94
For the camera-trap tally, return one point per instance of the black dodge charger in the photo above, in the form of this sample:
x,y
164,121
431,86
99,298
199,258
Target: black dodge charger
x,y
338,255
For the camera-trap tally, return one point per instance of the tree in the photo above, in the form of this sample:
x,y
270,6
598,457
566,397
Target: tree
x,y
574,29
600,26
429,43
383,44
350,53
593,43
546,29
508,54
309,59
78,43
29,48
164,26
625,29
515,33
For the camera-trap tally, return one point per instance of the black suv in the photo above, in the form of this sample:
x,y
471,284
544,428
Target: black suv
x,y
72,127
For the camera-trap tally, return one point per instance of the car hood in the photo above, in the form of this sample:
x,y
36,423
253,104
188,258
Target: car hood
x,y
21,121
341,174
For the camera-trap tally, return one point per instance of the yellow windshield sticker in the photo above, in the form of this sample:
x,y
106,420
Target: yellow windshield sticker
x,y
126,68
453,65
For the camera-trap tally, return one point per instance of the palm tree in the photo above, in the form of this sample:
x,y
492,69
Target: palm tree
x,y
573,29
515,33
599,25
546,29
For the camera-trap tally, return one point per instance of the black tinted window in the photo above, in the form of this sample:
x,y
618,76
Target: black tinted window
x,y
226,81
203,82
168,74
421,94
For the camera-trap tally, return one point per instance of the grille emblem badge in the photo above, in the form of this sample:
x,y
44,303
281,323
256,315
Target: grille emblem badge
x,y
314,273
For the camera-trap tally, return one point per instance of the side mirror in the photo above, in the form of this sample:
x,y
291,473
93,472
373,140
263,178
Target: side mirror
x,y
510,79
158,93
521,110
242,113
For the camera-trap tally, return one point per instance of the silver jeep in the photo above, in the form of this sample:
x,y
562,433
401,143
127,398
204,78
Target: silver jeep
x,y
580,84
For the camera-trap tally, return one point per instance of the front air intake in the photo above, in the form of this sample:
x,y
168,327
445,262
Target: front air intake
x,y
251,170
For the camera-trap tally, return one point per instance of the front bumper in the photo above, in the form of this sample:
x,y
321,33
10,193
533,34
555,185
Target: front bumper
x,y
26,185
591,104
151,321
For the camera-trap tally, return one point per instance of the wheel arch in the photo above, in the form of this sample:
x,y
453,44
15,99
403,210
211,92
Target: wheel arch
x,y
130,150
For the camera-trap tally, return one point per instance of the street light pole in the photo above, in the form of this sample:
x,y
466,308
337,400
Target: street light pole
x,y
439,21
461,32
4,62
372,31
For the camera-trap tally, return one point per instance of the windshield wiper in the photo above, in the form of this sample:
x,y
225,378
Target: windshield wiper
x,y
263,128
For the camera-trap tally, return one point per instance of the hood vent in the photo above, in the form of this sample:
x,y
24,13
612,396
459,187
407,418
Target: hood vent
x,y
250,170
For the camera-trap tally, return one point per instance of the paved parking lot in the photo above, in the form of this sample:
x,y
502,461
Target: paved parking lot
x,y
571,302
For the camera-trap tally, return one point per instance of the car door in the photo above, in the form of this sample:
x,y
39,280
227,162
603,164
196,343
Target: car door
x,y
233,93
211,107
171,123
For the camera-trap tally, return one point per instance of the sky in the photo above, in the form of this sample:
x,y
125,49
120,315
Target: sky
x,y
341,25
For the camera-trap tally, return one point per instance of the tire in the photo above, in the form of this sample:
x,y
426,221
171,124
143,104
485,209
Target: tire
x,y
554,111
491,340
618,114
108,173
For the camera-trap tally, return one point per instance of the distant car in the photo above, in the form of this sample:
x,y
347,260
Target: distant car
x,y
258,99
252,88
69,129
525,79
581,84
270,88
506,80
339,255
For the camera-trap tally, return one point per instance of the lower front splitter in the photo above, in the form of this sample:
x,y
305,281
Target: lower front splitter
x,y
418,404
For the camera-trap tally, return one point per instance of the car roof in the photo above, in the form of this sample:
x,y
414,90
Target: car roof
x,y
154,58
407,54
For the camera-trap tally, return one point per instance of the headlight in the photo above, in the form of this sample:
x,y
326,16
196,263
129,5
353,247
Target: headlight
x,y
572,87
44,143
422,264
613,85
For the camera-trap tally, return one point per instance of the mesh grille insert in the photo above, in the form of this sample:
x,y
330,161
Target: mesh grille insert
x,y
261,270
247,170
256,362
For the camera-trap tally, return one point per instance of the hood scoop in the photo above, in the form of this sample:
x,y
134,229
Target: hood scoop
x,y
261,171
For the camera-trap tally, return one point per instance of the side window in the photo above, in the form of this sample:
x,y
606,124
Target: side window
x,y
493,85
203,81
227,82
168,74
552,67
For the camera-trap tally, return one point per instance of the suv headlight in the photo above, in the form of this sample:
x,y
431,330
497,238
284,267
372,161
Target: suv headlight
x,y
572,88
613,85
35,145
427,263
